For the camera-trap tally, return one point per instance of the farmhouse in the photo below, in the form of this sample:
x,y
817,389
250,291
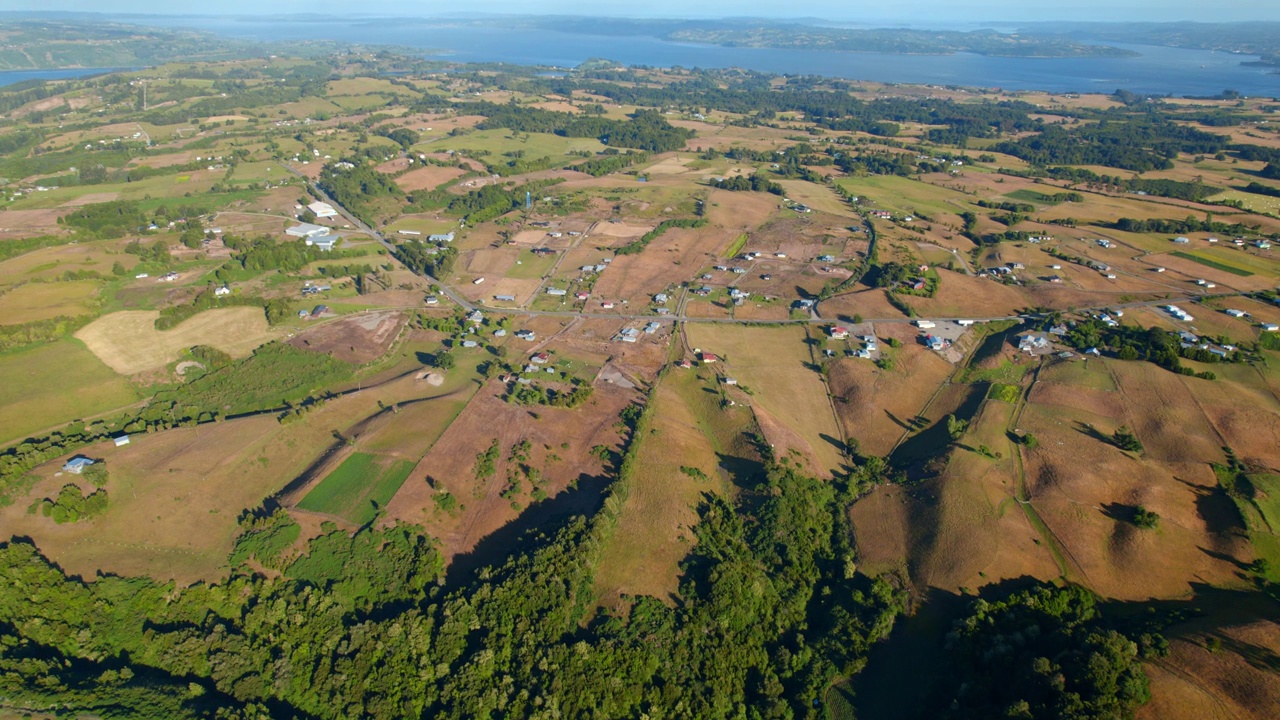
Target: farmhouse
x,y
539,358
77,464
1033,343
322,209
707,358
839,333
526,335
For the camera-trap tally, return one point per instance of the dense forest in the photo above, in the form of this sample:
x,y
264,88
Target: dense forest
x,y
359,626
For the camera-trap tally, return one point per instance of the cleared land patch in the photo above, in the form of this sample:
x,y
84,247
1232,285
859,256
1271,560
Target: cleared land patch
x,y
51,384
358,488
129,343
41,301
772,363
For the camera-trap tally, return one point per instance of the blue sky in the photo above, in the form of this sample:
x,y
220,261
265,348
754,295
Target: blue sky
x,y
915,12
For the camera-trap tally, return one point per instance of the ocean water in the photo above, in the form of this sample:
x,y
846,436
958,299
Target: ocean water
x,y
1157,70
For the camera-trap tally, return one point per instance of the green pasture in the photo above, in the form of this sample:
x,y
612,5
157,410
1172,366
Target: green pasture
x,y
52,384
357,488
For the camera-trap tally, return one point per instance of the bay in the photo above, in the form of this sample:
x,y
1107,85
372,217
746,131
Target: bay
x,y
1156,70
12,77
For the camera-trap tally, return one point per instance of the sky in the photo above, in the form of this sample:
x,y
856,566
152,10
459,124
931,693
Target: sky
x,y
915,12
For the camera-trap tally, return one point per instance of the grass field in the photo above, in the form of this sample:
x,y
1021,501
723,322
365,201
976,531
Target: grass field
x,y
52,384
129,343
790,399
898,194
499,141
1215,264
661,506
41,301
357,488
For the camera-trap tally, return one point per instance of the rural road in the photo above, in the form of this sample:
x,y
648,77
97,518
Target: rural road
x,y
814,319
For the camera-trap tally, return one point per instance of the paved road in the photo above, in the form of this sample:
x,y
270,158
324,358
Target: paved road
x,y
376,235
815,318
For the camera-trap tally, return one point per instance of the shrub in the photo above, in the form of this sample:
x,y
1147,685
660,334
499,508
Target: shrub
x,y
1145,519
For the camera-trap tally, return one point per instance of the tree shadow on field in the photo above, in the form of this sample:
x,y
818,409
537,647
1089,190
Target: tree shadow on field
x,y
539,518
1119,512
1093,432
900,422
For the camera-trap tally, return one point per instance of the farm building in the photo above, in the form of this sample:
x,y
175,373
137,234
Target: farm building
x,y
1236,313
729,381
77,464
557,291
441,237
539,358
120,440
505,298
839,333
322,209
707,358
307,230
323,242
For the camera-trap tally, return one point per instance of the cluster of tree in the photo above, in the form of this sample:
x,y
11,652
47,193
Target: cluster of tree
x,y
1258,188
72,506
535,394
1129,143
887,275
1194,191
482,204
274,375
38,332
106,220
157,252
1189,225
1040,653
638,245
610,161
425,258
643,130
358,188
404,137
1012,207
1124,439
755,183
265,253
